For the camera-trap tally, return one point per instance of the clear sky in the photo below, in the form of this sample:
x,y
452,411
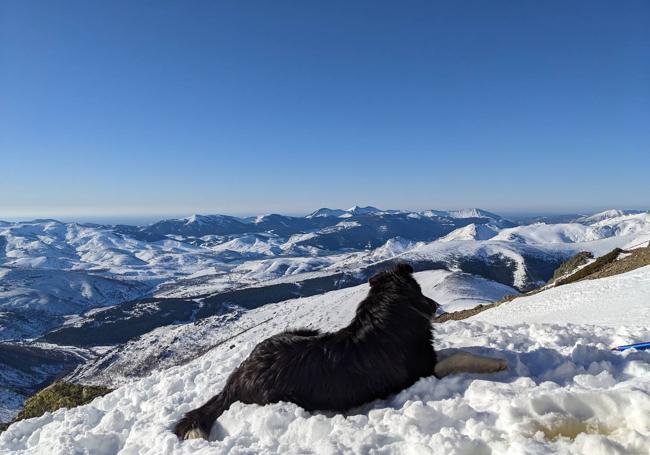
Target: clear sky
x,y
160,107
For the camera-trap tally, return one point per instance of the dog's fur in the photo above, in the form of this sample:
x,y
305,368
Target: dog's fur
x,y
386,348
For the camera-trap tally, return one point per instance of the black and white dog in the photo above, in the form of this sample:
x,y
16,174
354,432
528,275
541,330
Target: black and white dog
x,y
386,348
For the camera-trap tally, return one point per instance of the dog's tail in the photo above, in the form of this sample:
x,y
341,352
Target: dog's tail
x,y
198,422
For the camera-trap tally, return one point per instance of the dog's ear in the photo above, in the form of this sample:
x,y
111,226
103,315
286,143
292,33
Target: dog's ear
x,y
403,269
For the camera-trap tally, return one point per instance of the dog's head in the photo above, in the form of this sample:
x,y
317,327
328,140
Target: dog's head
x,y
399,281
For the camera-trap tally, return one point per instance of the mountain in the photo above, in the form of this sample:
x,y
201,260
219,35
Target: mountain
x,y
480,214
625,225
547,219
472,232
325,212
35,300
607,215
352,211
199,225
368,210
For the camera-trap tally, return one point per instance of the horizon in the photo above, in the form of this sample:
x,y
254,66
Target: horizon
x,y
156,109
152,218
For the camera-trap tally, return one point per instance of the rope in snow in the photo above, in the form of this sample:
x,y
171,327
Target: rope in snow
x,y
638,244
206,350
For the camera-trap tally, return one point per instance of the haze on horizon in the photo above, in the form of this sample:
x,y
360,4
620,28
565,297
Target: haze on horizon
x,y
146,110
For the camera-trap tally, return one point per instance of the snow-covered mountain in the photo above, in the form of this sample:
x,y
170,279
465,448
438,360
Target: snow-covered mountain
x,y
599,228
97,287
33,300
472,232
326,212
606,215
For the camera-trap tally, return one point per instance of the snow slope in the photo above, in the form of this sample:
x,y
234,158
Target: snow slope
x,y
565,392
455,291
620,300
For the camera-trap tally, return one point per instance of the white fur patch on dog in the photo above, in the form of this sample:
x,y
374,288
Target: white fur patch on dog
x,y
195,433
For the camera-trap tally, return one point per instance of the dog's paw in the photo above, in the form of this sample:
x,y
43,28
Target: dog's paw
x,y
189,428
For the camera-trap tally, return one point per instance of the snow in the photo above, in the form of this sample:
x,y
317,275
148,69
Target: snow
x,y
620,300
72,246
455,291
325,212
251,244
606,215
215,263
39,296
541,233
472,232
472,213
391,248
565,391
356,210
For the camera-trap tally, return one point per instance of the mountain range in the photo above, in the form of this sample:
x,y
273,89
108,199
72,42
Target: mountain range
x,y
91,293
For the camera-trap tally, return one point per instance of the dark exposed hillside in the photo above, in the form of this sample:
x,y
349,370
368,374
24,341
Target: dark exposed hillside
x,y
615,262
592,268
571,265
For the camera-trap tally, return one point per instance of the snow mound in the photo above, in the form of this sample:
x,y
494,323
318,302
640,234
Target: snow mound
x,y
456,291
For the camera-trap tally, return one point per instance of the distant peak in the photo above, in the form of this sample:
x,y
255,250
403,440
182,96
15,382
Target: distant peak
x,y
200,219
358,210
607,215
325,212
473,213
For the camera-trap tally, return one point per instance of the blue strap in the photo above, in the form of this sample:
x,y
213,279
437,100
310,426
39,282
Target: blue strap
x,y
639,346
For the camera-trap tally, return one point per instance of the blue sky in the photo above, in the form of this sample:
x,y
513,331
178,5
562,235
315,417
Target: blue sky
x,y
140,108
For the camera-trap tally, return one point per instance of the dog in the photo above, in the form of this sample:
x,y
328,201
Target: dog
x,y
386,348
